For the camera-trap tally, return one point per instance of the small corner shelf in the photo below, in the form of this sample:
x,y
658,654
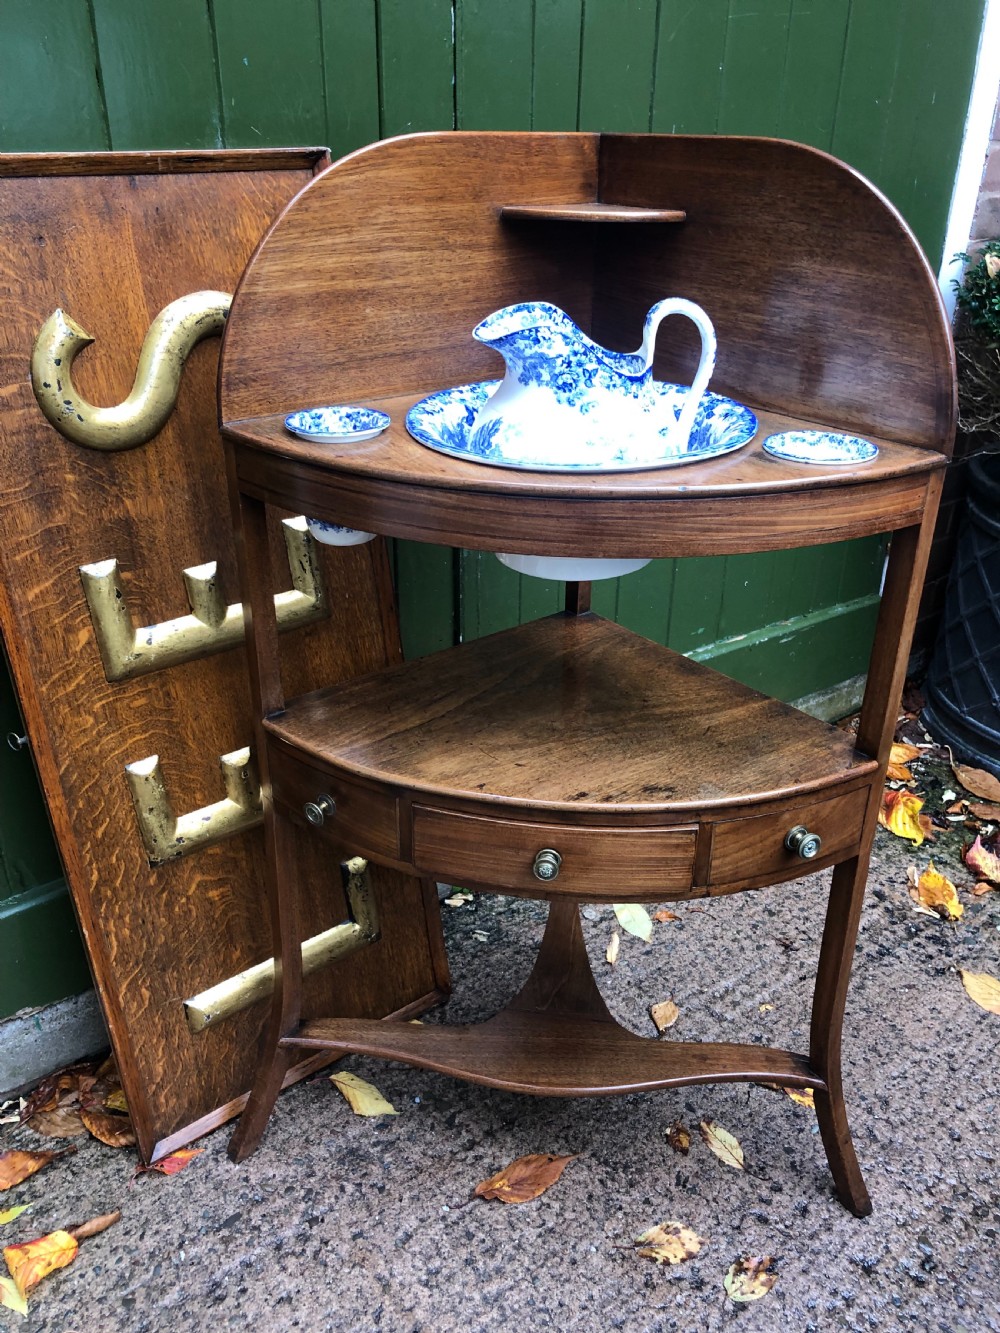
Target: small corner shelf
x,y
588,212
569,759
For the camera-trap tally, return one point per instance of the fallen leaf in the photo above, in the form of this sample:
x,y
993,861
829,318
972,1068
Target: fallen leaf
x,y
95,1225
8,1214
801,1096
669,1243
115,1101
635,919
664,915
114,1130
35,1259
899,756
983,887
62,1123
169,1166
983,861
363,1098
16,1166
750,1278
11,1297
664,1015
978,781
722,1143
900,814
679,1138
458,900
935,891
982,988
525,1178
614,947
764,1008
987,813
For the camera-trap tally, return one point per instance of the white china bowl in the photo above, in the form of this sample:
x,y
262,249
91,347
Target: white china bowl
x,y
347,424
568,569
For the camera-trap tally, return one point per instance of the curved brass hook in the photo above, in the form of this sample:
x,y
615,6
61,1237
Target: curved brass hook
x,y
172,334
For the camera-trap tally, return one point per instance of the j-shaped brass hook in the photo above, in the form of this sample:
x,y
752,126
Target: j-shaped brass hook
x,y
172,334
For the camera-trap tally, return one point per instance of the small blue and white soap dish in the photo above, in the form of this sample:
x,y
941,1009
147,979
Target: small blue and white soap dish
x,y
822,448
346,424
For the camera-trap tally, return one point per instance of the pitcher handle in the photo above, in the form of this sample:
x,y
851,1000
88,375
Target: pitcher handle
x,y
680,431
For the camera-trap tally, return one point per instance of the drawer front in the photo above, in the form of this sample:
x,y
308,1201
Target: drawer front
x,y
748,849
365,818
620,865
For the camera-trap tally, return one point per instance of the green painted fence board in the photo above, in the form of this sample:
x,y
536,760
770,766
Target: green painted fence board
x,y
690,48
350,65
43,958
270,73
555,67
417,63
159,75
27,852
616,68
493,46
426,587
816,37
753,67
50,94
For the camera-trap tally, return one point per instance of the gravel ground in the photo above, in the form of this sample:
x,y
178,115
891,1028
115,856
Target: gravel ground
x,y
341,1222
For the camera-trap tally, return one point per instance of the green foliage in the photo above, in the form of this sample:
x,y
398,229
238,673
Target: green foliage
x,y
978,293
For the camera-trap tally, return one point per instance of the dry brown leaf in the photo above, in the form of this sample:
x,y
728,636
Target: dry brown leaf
x,y
525,1178
984,861
664,1015
95,1225
169,1166
935,892
978,781
984,811
669,1243
363,1098
722,1143
665,915
982,988
983,887
114,1130
61,1123
750,1278
30,1262
16,1166
614,948
899,756
679,1138
900,814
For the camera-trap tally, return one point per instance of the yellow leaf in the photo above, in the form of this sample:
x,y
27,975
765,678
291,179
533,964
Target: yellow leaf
x,y
669,1243
525,1178
679,1138
722,1143
802,1096
30,1262
900,814
982,988
16,1166
115,1101
11,1297
899,757
614,946
664,1015
635,919
363,1098
983,861
937,893
8,1214
750,1278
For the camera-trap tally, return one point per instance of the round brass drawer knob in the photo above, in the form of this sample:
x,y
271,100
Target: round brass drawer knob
x,y
800,842
320,810
547,864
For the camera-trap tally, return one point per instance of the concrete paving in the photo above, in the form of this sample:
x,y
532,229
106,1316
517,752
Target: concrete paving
x,y
340,1222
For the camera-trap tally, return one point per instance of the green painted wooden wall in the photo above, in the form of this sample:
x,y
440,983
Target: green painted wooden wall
x,y
883,84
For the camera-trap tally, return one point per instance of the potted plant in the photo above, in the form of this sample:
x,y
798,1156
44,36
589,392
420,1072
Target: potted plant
x,y
963,682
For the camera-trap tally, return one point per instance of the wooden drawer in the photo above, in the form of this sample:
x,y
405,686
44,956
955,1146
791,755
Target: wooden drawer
x,y
365,819
749,849
618,864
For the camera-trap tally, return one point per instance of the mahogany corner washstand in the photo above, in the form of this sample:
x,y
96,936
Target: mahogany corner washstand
x,y
572,735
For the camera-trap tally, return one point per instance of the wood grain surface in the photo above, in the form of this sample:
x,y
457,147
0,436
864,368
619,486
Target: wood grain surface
x,y
113,240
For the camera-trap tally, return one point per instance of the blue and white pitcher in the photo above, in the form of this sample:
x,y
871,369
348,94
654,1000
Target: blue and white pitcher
x,y
565,391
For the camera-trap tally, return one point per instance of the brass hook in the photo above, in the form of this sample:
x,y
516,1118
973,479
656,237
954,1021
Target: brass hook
x,y
172,334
